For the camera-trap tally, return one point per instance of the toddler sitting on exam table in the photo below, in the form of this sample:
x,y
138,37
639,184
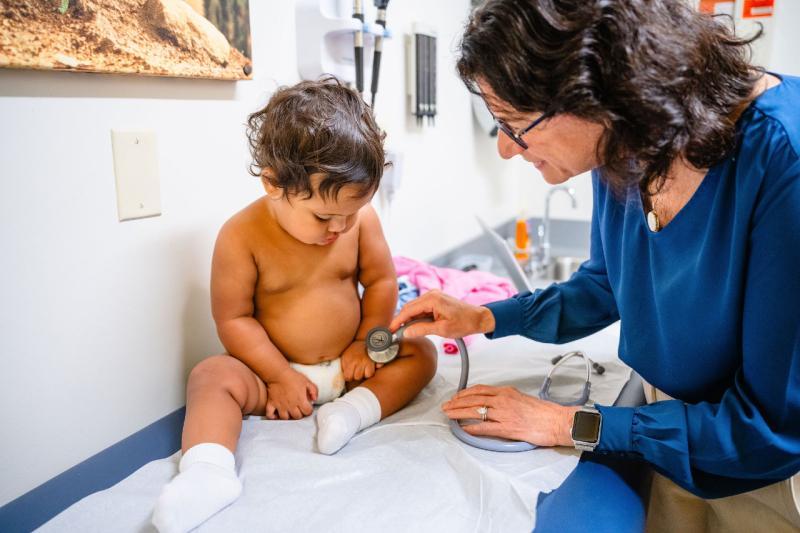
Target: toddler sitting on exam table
x,y
284,295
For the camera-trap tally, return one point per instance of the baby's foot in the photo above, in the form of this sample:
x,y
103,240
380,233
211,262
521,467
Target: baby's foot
x,y
206,484
337,422
342,418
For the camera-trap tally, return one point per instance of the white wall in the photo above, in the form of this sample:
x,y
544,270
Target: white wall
x,y
783,57
100,320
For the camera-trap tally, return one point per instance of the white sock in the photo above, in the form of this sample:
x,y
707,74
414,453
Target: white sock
x,y
206,483
342,418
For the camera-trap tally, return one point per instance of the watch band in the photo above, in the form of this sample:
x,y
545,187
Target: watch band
x,y
582,444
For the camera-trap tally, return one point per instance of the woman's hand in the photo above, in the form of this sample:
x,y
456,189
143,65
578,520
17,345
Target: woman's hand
x,y
513,415
452,318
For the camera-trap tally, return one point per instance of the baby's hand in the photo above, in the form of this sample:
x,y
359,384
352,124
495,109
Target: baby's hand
x,y
290,396
356,364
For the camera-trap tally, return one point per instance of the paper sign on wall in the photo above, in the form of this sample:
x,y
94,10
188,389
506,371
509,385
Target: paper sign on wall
x,y
717,7
758,8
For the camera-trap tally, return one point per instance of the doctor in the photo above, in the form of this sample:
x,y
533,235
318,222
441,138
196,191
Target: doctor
x,y
695,246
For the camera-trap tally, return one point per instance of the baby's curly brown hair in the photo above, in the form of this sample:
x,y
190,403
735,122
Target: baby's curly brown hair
x,y
317,127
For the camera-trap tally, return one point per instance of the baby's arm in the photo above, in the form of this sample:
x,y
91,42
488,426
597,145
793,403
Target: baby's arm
x,y
233,280
377,275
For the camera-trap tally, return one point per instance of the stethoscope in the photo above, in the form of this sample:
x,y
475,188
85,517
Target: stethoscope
x,y
544,392
383,347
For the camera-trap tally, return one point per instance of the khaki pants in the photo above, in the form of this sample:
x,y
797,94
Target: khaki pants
x,y
774,508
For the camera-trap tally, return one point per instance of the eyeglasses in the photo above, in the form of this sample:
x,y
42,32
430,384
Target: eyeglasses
x,y
517,137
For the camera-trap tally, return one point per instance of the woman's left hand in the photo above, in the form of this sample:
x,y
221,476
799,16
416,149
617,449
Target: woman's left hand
x,y
512,415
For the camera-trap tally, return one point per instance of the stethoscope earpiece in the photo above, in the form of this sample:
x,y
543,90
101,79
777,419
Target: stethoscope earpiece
x,y
544,392
595,365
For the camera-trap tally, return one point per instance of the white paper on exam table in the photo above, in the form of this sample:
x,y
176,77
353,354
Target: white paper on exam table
x,y
407,473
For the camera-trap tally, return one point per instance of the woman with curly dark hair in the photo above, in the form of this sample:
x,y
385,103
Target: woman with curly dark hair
x,y
695,246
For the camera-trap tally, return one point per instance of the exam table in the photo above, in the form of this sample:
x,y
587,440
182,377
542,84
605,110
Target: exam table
x,y
601,490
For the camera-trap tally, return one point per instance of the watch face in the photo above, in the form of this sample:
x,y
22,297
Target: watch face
x,y
586,426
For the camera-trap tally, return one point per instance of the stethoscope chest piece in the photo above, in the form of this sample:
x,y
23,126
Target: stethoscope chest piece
x,y
382,346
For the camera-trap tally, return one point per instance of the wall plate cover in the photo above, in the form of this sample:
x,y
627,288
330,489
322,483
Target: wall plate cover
x,y
136,172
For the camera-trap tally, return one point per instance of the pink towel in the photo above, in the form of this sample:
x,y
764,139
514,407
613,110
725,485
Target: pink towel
x,y
474,287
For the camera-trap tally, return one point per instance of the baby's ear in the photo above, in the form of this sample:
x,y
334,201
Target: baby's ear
x,y
267,180
267,175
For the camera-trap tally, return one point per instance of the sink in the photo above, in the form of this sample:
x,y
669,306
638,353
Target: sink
x,y
562,267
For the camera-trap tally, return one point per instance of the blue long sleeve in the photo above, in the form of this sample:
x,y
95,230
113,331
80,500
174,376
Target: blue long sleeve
x,y
709,309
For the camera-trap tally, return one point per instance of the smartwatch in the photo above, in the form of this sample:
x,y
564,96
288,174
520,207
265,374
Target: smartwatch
x,y
586,426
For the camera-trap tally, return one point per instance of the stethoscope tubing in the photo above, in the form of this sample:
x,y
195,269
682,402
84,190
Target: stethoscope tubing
x,y
485,443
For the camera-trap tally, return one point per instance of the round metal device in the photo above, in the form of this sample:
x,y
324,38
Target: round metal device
x,y
381,345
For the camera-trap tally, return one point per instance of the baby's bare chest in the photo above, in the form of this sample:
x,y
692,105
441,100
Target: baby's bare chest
x,y
287,269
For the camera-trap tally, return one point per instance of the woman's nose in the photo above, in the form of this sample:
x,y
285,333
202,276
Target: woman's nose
x,y
506,147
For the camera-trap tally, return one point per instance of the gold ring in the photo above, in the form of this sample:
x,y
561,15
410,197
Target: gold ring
x,y
484,412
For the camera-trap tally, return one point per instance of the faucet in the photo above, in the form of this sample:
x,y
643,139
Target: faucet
x,y
541,263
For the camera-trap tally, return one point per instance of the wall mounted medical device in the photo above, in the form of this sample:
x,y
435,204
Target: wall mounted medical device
x,y
383,347
421,73
327,33
358,42
380,20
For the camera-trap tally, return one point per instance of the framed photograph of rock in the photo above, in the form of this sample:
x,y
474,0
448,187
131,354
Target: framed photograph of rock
x,y
183,38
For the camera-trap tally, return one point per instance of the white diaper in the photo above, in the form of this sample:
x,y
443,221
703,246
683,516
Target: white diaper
x,y
327,376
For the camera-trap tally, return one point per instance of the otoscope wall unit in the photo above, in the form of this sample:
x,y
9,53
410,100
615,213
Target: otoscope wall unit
x,y
332,37
421,73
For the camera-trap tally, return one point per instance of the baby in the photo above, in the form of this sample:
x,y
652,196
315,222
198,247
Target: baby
x,y
285,299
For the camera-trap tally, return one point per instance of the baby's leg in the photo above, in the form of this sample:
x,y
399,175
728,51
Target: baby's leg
x,y
390,389
399,382
220,390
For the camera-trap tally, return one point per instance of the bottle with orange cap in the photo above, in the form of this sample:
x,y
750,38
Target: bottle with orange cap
x,y
522,243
